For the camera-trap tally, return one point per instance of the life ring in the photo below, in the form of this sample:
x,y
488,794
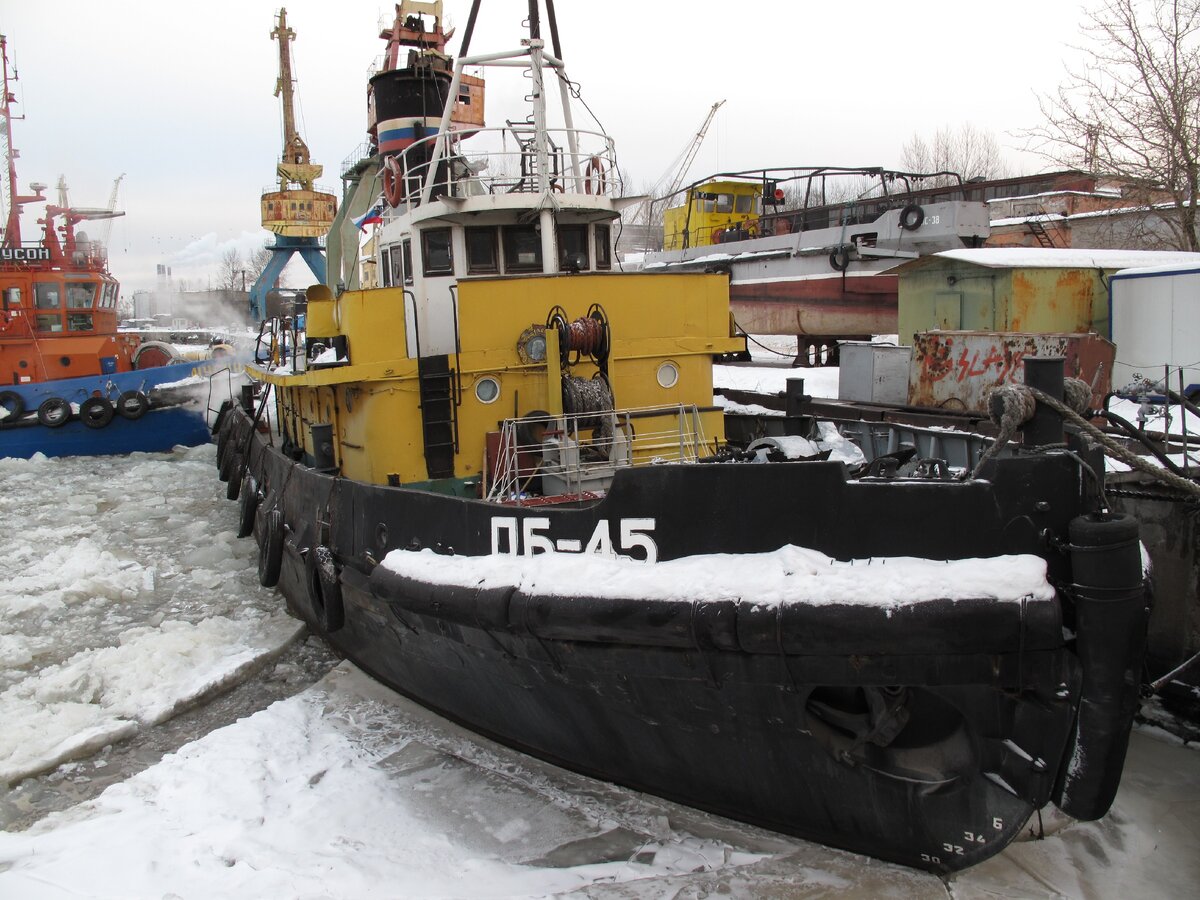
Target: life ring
x,y
393,182
54,412
96,412
912,217
237,468
14,403
324,589
270,550
839,259
247,505
132,405
594,176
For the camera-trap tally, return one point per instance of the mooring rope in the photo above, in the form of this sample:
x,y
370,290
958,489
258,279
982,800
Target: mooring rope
x,y
587,399
1017,403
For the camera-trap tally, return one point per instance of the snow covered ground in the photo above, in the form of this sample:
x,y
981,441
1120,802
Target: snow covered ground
x,y
139,659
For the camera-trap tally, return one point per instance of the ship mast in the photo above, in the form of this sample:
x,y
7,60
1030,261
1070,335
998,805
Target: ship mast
x,y
12,230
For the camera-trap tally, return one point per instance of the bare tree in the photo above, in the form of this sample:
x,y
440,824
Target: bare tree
x,y
971,152
258,262
1132,110
230,272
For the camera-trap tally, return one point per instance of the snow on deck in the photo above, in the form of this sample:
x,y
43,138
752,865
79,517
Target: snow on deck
x,y
788,575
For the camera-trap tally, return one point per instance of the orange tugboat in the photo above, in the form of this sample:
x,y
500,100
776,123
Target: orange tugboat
x,y
69,383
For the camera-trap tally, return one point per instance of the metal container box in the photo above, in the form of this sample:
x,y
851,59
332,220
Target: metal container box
x,y
953,369
873,373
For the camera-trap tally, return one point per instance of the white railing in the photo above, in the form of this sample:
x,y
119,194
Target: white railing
x,y
510,166
574,456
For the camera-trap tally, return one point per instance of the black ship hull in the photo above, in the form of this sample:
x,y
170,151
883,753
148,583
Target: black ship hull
x,y
924,734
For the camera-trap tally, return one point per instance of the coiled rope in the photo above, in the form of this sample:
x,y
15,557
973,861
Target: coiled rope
x,y
1017,403
587,399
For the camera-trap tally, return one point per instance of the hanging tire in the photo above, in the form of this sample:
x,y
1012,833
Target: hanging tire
x,y
912,217
237,468
54,412
132,405
230,464
247,505
222,419
324,589
839,259
14,403
96,412
270,551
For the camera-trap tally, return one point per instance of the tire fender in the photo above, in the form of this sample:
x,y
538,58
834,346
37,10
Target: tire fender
x,y
54,412
324,589
14,403
132,405
247,505
912,217
270,550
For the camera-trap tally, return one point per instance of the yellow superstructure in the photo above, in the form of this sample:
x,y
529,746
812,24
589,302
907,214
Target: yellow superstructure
x,y
655,320
711,211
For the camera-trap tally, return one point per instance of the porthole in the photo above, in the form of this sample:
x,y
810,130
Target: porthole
x,y
668,375
487,389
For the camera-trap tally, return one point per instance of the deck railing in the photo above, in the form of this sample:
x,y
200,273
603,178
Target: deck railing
x,y
547,458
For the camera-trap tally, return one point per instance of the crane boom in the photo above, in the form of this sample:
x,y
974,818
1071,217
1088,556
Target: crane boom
x,y
689,154
106,228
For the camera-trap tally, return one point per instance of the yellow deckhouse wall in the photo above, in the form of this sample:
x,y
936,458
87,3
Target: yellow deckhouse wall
x,y
374,402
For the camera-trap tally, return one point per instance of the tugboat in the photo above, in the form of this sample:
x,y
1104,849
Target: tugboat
x,y
70,384
497,482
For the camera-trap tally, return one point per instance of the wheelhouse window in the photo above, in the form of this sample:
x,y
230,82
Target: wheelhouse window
x,y
743,203
47,295
406,260
572,248
81,295
522,248
436,258
482,255
77,321
724,203
603,247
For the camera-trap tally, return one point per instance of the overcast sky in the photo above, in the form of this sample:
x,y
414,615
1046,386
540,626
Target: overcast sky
x,y
179,97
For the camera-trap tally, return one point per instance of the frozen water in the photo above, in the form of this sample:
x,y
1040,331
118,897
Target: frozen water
x,y
128,598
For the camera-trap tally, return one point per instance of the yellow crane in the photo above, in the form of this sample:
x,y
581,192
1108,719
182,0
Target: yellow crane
x,y
298,213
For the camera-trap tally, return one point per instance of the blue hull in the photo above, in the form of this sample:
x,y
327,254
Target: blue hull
x,y
158,430
179,422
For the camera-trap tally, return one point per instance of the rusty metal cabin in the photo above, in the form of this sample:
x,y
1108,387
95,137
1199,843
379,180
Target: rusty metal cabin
x,y
1023,290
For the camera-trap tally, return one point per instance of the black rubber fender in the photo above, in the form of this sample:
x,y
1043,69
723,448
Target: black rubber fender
x,y
270,550
225,461
912,217
54,412
14,403
96,412
839,259
132,405
324,589
247,505
237,468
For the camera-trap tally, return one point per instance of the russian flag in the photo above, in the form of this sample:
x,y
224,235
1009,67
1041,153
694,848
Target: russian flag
x,y
372,215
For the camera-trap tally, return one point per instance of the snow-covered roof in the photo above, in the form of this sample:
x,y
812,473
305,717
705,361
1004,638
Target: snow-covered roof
x,y
1068,258
1171,269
